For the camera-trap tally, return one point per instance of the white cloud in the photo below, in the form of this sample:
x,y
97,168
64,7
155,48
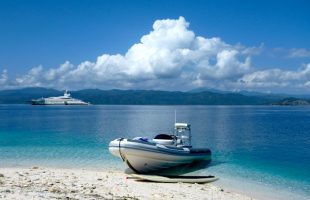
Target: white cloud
x,y
32,78
273,78
169,34
169,53
252,50
169,57
299,53
4,78
227,66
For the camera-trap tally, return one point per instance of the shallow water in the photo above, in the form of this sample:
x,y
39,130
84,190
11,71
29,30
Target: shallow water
x,y
264,145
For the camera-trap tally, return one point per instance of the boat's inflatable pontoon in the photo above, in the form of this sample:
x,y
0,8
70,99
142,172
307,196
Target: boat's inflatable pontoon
x,y
164,151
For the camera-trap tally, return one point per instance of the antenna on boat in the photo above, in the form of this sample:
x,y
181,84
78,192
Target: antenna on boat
x,y
175,116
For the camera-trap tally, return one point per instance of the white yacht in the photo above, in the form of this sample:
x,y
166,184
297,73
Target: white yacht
x,y
66,99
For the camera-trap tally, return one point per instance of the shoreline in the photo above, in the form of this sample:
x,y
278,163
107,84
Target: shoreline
x,y
73,183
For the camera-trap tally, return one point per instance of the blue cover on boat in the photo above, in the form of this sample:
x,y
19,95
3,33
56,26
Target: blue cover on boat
x,y
143,139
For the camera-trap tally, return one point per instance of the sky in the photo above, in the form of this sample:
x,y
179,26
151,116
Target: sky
x,y
179,45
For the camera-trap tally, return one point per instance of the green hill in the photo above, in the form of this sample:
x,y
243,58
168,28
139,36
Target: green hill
x,y
140,97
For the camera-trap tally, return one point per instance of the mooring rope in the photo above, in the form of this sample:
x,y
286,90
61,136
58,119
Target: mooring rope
x,y
124,158
119,149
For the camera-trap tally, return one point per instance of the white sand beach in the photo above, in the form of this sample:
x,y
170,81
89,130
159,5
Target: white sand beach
x,y
57,183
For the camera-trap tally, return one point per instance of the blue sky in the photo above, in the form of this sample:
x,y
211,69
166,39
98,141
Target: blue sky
x,y
263,45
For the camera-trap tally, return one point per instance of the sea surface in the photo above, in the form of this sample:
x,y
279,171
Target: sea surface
x,y
263,151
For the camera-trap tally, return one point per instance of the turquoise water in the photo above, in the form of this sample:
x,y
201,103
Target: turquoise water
x,y
266,146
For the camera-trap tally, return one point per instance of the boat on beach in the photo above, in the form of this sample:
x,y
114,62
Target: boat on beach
x,y
66,99
143,155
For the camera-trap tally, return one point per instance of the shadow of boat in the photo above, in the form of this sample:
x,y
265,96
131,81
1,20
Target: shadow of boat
x,y
177,170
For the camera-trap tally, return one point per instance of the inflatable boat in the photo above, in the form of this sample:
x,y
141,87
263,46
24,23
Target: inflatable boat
x,y
143,155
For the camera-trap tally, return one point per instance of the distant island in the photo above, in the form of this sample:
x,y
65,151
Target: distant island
x,y
153,97
292,102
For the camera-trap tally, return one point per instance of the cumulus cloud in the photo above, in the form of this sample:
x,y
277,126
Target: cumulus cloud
x,y
169,57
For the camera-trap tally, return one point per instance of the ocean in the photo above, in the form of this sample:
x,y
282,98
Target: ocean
x,y
263,151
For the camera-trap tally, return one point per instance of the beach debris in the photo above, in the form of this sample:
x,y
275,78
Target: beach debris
x,y
35,167
73,191
1,175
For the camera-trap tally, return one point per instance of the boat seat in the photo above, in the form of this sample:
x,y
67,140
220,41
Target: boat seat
x,y
163,137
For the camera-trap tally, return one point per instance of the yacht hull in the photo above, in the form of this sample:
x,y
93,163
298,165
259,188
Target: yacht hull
x,y
79,104
66,99
144,157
